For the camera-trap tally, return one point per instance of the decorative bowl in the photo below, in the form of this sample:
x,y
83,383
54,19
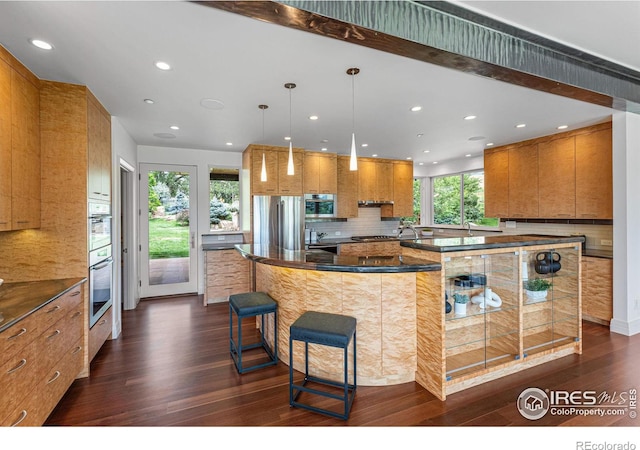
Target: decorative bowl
x,y
536,296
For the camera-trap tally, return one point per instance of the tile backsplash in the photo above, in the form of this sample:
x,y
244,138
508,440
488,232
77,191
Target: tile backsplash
x,y
368,223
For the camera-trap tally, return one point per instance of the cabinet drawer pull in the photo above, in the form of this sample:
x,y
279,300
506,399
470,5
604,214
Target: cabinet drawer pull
x,y
18,334
76,350
76,314
55,333
75,293
23,415
22,221
103,321
55,377
21,364
54,309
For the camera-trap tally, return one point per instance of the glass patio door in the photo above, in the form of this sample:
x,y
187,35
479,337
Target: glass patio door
x,y
168,207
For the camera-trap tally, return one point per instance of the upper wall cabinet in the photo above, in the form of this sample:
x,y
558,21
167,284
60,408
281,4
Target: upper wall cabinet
x,y
275,162
557,178
320,173
563,176
523,181
402,191
99,148
594,175
496,182
20,196
347,189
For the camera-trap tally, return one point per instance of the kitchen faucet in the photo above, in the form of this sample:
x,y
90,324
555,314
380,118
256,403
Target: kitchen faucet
x,y
403,227
468,225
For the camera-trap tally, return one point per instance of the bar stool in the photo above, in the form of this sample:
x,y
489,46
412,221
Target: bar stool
x,y
252,304
332,330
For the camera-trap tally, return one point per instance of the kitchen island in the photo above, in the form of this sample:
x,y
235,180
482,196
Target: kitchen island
x,y
380,292
405,331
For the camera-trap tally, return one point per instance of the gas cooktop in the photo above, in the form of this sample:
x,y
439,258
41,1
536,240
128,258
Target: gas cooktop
x,y
378,237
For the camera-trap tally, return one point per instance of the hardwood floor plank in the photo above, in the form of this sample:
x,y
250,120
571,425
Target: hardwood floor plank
x,y
171,367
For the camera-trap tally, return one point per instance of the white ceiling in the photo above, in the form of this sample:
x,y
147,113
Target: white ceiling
x,y
111,47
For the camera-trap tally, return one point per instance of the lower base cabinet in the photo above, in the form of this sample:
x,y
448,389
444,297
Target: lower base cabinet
x,y
100,332
41,356
227,273
597,289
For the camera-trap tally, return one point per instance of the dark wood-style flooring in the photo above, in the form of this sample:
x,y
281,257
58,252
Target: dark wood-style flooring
x,y
171,367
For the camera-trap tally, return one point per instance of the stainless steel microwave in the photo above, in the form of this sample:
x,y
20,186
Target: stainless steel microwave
x,y
320,205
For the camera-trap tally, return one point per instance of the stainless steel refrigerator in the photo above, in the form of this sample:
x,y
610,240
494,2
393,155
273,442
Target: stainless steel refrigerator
x,y
279,221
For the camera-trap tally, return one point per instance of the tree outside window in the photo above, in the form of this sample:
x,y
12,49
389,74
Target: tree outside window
x,y
458,199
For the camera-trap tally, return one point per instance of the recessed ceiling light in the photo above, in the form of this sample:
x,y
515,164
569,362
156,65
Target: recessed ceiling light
x,y
521,125
426,151
174,127
162,65
421,164
364,145
229,143
210,103
419,135
375,155
324,141
476,138
165,135
489,144
287,138
435,162
313,117
44,45
148,101
563,127
469,117
467,155
416,108
324,149
409,157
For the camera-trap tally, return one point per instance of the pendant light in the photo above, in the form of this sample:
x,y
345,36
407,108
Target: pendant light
x,y
290,162
353,161
263,172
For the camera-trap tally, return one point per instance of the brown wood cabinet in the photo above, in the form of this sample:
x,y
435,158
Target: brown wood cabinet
x,y
594,175
276,161
384,181
41,356
402,191
5,146
367,179
227,273
556,178
20,192
99,148
496,182
347,201
565,176
320,173
597,289
100,332
523,181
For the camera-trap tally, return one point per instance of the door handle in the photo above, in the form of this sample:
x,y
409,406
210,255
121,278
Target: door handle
x,y
193,240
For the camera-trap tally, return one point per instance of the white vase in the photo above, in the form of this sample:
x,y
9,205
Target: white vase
x,y
535,296
460,309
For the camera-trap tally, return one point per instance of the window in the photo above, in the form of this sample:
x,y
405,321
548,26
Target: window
x,y
458,199
224,199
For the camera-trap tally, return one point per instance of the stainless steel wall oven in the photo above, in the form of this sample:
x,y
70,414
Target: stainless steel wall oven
x,y
100,261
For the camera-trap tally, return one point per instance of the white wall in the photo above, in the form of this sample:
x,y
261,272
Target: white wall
x,y
202,160
124,151
626,225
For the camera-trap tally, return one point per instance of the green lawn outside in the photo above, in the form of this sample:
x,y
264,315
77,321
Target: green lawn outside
x,y
167,239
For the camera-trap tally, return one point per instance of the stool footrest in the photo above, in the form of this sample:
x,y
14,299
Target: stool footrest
x,y
346,400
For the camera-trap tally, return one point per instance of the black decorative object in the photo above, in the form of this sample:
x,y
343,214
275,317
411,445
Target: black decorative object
x,y
547,262
447,305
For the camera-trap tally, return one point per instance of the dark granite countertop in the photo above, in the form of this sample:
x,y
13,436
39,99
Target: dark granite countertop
x,y
456,244
18,300
598,253
326,261
221,246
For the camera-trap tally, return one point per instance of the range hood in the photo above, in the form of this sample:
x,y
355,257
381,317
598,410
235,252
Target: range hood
x,y
373,203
